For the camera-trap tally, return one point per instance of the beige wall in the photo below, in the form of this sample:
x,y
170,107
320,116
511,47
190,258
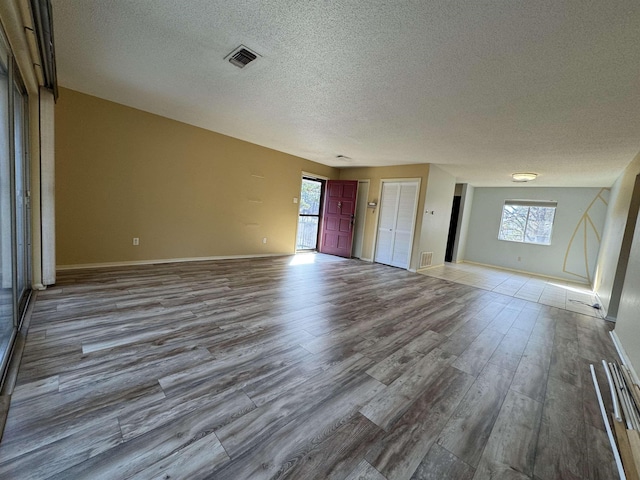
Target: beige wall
x,y
613,233
184,191
375,174
435,224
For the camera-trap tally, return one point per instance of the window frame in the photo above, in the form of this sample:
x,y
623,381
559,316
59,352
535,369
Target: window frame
x,y
529,204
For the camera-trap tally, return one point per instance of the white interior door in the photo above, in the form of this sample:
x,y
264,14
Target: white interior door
x,y
396,223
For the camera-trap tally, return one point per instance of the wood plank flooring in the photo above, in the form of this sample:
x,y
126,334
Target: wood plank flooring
x,y
323,368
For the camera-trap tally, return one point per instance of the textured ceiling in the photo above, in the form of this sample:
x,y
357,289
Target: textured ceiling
x,y
482,88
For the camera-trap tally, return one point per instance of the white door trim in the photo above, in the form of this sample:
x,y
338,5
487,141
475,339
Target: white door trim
x,y
313,175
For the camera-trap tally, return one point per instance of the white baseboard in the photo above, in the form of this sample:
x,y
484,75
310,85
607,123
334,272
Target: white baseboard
x,y
624,358
370,260
165,260
429,267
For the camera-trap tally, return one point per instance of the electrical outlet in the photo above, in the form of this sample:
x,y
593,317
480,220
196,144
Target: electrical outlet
x,y
264,240
295,199
136,241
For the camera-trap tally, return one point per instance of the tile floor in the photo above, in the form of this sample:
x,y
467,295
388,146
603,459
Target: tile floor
x,y
575,297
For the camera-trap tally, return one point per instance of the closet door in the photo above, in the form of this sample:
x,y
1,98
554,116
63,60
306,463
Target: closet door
x,y
387,222
405,220
396,223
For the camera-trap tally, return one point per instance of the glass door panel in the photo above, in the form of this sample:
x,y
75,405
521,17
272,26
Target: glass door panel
x,y
7,294
23,282
309,214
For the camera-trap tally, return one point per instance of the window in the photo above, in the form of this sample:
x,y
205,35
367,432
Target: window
x,y
527,221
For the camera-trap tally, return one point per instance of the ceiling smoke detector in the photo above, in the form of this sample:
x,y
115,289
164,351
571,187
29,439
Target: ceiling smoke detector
x,y
523,177
241,56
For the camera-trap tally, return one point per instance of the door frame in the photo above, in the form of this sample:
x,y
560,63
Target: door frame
x,y
366,200
415,215
313,176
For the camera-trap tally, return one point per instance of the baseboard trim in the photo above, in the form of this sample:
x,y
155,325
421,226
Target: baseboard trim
x,y
624,358
83,266
525,272
423,269
370,260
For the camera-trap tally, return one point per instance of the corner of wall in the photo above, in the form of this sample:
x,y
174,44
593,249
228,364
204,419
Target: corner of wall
x,y
613,235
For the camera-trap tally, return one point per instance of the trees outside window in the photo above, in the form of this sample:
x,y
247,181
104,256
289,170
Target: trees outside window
x,y
527,221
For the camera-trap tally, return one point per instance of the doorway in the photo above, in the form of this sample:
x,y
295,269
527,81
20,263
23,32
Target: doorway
x,y
311,196
361,217
396,222
453,228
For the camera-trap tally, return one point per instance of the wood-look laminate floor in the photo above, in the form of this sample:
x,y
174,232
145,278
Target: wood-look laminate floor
x,y
301,368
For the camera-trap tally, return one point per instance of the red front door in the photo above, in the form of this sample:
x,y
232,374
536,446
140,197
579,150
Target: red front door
x,y
338,216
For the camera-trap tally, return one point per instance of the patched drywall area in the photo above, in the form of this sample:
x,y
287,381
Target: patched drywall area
x,y
575,240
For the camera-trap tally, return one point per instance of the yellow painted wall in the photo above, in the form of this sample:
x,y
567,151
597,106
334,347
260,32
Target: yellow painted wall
x,y
375,174
184,191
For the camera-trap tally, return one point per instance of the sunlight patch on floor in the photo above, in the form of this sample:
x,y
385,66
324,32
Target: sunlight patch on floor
x,y
567,295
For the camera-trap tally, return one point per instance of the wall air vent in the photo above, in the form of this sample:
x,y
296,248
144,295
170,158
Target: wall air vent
x,y
426,259
241,56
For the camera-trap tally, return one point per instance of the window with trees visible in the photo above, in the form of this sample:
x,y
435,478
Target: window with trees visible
x,y
309,214
527,221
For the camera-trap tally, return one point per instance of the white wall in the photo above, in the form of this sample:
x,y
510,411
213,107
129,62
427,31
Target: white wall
x,y
435,224
614,228
628,320
575,239
462,231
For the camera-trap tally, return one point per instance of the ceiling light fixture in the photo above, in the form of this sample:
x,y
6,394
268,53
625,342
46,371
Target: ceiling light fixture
x,y
523,177
343,157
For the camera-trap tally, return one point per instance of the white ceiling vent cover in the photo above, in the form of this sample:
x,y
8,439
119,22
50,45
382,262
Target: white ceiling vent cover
x,y
241,56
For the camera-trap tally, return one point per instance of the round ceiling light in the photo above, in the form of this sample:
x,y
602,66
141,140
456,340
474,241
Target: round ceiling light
x,y
523,177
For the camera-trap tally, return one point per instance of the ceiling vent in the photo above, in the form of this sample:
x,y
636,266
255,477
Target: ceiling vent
x,y
241,56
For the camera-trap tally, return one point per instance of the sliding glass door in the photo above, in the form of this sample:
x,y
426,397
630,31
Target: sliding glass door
x,y
7,294
15,248
21,195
